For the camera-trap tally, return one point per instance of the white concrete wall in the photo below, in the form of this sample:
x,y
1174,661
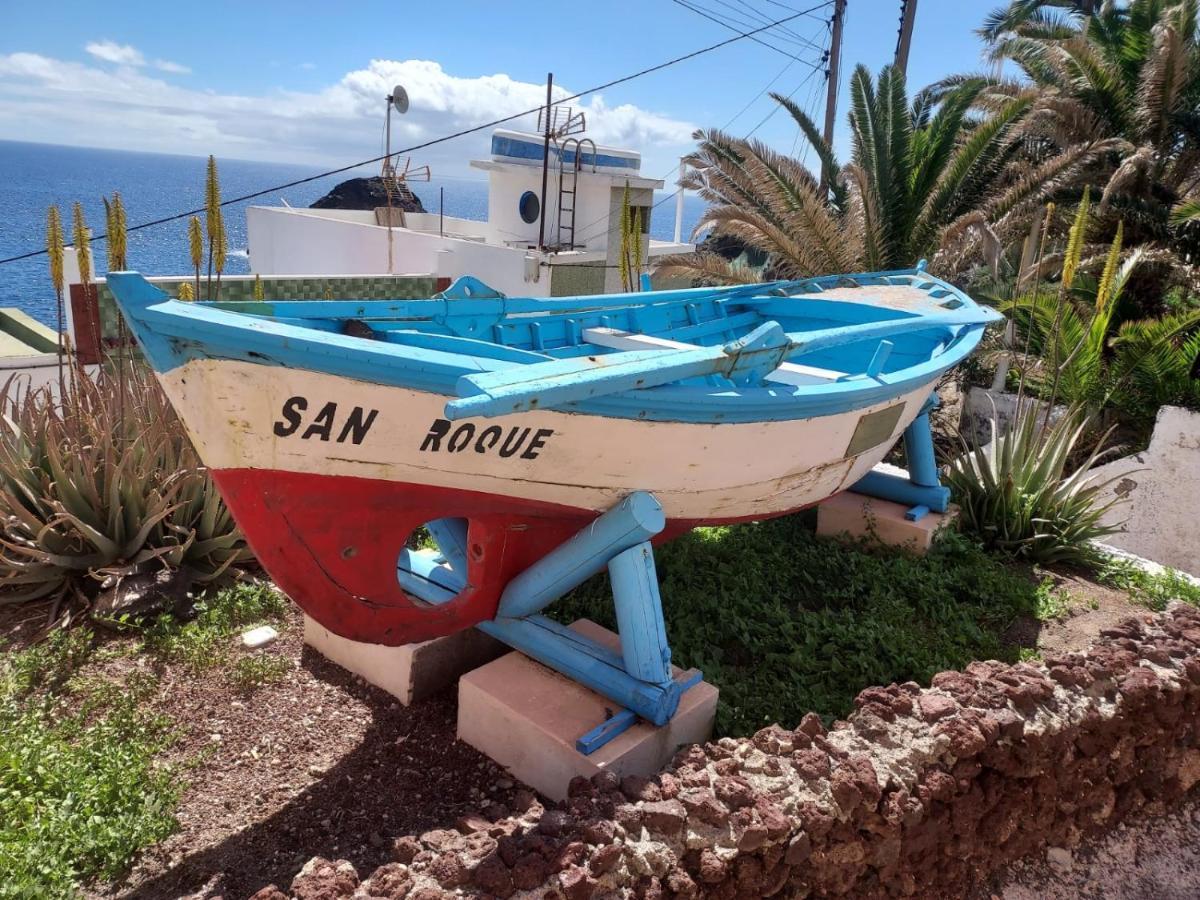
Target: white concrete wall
x,y
293,242
1162,488
982,405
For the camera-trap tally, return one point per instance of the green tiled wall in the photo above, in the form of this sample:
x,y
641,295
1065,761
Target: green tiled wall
x,y
241,288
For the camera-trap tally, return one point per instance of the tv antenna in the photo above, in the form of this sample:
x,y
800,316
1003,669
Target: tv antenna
x,y
564,121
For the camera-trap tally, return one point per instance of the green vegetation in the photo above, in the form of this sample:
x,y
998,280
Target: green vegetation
x,y
1155,591
104,484
204,642
82,784
80,791
1019,496
1125,76
924,178
785,622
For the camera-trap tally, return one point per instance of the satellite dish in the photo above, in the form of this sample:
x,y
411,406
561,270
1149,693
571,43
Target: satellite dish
x,y
400,99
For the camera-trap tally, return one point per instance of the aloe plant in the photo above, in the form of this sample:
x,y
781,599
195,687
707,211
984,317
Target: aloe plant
x,y
1018,495
88,495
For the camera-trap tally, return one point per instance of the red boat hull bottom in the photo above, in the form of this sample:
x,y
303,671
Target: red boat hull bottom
x,y
332,543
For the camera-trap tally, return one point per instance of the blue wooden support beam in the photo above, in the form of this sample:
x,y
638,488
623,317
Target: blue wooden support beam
x,y
625,719
567,652
637,678
922,487
451,537
635,519
901,490
639,614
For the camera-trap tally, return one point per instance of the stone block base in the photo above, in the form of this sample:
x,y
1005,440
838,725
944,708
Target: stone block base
x,y
527,718
857,515
411,672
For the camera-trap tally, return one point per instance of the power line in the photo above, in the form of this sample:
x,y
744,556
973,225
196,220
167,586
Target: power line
x,y
750,34
492,124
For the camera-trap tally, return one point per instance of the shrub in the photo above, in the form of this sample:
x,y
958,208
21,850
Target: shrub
x,y
103,484
784,622
1017,496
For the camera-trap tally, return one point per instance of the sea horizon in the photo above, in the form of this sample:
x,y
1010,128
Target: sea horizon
x,y
154,185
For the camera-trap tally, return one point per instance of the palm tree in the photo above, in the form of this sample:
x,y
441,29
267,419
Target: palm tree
x,y
926,179
1130,75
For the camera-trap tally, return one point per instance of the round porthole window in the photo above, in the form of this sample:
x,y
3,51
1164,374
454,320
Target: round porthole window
x,y
529,207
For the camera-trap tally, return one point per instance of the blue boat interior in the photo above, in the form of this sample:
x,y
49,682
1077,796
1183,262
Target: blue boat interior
x,y
733,353
703,317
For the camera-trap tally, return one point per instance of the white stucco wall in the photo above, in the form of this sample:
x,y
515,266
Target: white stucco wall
x,y
293,242
1161,486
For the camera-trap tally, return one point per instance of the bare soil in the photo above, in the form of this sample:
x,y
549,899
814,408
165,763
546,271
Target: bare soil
x,y
1148,858
318,763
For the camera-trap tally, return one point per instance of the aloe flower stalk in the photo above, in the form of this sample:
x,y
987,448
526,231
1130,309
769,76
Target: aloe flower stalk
x,y
83,249
1075,241
196,248
216,227
1104,291
185,292
54,251
259,294
118,237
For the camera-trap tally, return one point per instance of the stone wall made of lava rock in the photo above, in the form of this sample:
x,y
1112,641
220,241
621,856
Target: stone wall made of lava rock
x,y
920,792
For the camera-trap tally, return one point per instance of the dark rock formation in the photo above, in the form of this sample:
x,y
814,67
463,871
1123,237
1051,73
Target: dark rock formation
x,y
368,193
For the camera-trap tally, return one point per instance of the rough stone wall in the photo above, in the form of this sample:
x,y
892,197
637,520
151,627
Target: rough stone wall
x,y
918,793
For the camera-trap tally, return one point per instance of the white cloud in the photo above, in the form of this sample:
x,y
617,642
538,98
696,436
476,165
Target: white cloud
x,y
307,66
45,99
111,51
174,68
128,55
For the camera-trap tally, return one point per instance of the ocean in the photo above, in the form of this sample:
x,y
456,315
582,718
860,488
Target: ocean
x,y
154,185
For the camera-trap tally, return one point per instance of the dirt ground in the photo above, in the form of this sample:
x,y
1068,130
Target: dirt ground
x,y
319,763
1149,858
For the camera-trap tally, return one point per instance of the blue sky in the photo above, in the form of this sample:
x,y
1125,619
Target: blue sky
x,y
304,82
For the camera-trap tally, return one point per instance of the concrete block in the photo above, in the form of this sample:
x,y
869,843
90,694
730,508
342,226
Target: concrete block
x,y
411,672
527,718
857,515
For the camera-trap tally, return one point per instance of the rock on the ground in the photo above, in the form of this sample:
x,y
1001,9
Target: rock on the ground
x,y
259,637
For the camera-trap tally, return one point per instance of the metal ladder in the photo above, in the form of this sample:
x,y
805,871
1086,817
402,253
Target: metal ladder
x,y
566,196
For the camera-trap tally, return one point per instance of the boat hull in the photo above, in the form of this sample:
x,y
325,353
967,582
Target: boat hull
x,y
329,476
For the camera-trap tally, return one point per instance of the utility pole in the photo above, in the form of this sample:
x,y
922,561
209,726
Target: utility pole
x,y
835,56
908,14
545,162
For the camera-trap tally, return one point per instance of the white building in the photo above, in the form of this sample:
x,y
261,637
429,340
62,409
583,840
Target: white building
x,y
580,226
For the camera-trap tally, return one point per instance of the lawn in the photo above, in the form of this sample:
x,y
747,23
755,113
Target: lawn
x,y
785,622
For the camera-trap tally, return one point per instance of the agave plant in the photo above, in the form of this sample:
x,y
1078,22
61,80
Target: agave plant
x,y
1017,495
89,494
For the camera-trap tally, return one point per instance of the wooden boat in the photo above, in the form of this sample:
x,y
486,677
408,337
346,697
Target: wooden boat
x,y
336,429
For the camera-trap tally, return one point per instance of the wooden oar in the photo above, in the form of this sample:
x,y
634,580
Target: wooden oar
x,y
546,385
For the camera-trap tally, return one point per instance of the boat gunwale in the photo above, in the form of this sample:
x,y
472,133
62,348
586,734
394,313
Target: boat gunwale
x,y
225,334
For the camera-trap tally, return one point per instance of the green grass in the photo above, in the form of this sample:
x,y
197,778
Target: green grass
x,y
1051,603
204,642
82,788
1154,591
784,622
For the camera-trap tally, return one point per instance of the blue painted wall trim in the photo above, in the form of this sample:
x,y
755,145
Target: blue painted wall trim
x,y
518,149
